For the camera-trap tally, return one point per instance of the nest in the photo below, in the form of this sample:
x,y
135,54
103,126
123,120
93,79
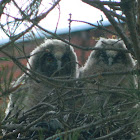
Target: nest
x,y
72,114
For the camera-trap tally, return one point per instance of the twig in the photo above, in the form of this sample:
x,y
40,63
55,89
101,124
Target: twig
x,y
36,20
131,72
87,125
58,18
111,134
112,3
132,28
39,105
21,66
105,2
28,126
114,23
39,119
2,5
16,37
118,16
19,126
70,26
98,27
79,47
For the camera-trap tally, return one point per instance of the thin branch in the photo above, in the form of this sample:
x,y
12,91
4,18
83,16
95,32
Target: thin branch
x,y
132,28
2,5
58,19
43,15
28,126
87,125
39,119
36,20
114,23
20,126
16,37
48,79
131,72
112,3
70,26
105,2
97,26
76,46
117,16
115,7
111,134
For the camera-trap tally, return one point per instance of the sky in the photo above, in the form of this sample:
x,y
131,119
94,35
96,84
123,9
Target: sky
x,y
77,9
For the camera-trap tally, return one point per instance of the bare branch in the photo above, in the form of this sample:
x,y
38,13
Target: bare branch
x,y
87,126
98,27
117,27
132,27
28,126
78,47
105,2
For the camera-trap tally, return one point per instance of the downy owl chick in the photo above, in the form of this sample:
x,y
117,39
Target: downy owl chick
x,y
53,58
103,60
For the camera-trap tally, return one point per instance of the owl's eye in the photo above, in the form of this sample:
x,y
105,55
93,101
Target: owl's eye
x,y
65,58
103,55
120,56
47,57
50,59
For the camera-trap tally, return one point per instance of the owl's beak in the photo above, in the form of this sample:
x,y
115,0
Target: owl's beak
x,y
58,55
110,61
59,65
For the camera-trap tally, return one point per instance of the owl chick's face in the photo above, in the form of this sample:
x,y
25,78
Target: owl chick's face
x,y
57,64
54,59
109,57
